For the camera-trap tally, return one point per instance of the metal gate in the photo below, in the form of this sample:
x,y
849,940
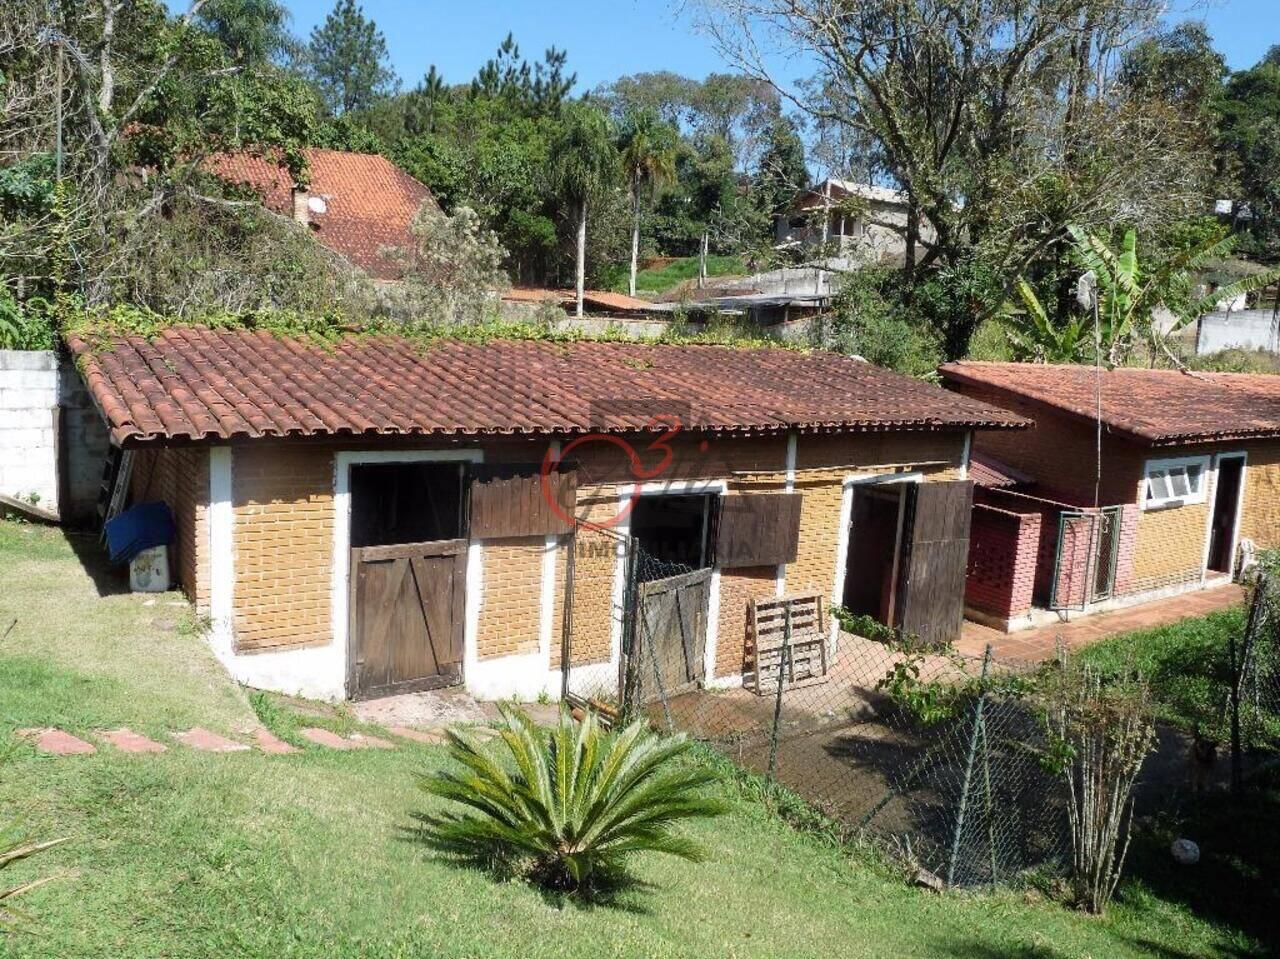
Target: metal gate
x,y
406,617
1085,557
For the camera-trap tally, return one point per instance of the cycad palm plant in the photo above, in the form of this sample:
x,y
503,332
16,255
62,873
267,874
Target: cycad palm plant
x,y
567,806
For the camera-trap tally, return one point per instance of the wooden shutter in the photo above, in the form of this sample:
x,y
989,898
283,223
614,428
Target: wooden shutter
x,y
515,500
758,529
935,554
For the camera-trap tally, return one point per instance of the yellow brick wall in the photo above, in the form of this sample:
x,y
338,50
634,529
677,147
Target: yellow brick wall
x,y
1260,516
282,500
511,601
1169,545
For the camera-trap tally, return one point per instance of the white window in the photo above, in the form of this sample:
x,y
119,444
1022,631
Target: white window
x,y
1174,482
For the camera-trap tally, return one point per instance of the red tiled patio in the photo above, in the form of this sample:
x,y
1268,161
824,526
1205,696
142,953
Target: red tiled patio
x,y
1034,645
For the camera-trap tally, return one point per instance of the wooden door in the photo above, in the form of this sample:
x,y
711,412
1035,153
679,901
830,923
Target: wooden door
x,y
935,547
406,617
669,636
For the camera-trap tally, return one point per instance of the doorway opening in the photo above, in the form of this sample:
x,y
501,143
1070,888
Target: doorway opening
x,y
1226,507
674,529
395,503
874,553
408,576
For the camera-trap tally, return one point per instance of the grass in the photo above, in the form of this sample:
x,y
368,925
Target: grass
x,y
1185,663
187,854
668,277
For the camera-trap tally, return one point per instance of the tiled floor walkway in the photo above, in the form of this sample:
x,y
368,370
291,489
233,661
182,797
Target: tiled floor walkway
x,y
1034,645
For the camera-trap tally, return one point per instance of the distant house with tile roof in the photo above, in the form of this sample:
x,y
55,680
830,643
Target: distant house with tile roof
x,y
1132,484
857,220
358,205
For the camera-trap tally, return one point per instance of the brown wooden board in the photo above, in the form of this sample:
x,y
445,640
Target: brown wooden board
x,y
670,635
758,529
788,639
406,617
935,554
516,500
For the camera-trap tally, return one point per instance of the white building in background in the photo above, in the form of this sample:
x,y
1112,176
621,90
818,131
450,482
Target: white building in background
x,y
864,222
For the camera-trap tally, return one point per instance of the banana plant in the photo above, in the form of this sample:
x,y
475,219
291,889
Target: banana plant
x,y
1035,337
1126,297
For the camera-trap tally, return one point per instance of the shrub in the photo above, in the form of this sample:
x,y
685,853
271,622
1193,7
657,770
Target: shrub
x,y
567,807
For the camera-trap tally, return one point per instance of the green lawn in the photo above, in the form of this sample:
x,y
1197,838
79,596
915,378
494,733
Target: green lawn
x,y
190,854
673,274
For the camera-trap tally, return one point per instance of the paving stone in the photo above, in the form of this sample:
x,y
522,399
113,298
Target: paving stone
x,y
365,741
325,737
56,742
430,737
127,741
209,742
272,744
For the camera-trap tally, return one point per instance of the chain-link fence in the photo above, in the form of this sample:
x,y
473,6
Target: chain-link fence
x,y
1251,702
936,754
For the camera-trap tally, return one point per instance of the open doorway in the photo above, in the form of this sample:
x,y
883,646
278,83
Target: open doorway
x,y
408,574
874,553
674,529
1226,510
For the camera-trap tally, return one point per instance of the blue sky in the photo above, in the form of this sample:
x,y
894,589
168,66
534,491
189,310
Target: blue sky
x,y
609,38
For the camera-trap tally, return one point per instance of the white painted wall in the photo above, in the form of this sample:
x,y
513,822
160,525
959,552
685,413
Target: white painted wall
x,y
28,414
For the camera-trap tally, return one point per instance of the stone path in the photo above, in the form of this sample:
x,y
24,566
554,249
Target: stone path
x,y
1037,645
57,742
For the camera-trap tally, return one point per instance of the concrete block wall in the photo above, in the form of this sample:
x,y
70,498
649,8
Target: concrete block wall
x,y
28,425
84,446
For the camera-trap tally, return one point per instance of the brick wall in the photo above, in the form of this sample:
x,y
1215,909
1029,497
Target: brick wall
x,y
282,503
511,602
1000,576
1260,516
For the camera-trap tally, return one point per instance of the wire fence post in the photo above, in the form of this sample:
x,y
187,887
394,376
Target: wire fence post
x,y
968,767
784,663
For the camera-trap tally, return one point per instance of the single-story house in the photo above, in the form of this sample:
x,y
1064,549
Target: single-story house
x,y
359,205
1182,484
376,514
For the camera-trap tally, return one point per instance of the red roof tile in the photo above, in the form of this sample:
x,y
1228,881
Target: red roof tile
x,y
370,201
991,473
1156,407
192,383
602,299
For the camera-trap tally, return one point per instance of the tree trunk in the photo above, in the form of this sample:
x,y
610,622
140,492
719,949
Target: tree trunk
x,y
913,234
702,259
635,244
582,253
106,93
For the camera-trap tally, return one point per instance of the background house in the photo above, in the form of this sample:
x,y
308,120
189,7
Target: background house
x,y
866,223
1188,480
358,205
373,515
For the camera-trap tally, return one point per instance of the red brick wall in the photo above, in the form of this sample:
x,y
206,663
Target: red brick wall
x,y
1001,571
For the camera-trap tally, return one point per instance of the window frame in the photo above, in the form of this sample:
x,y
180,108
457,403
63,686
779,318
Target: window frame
x,y
1168,466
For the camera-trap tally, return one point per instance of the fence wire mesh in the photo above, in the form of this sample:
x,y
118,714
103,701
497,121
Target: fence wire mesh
x,y
936,754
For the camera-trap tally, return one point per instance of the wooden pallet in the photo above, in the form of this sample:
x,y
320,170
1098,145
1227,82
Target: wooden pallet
x,y
774,640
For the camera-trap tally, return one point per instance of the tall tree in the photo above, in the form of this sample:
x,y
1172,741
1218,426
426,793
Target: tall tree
x,y
782,172
1250,144
348,59
648,151
255,32
984,113
584,165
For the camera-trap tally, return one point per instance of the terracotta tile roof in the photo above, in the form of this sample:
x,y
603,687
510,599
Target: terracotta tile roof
x,y
991,473
370,201
1155,407
193,383
601,299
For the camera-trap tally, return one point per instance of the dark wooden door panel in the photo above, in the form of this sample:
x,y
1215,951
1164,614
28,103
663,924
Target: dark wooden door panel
x,y
671,635
758,529
407,621
936,549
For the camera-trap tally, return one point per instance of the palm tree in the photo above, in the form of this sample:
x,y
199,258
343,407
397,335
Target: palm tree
x,y
647,147
583,165
572,803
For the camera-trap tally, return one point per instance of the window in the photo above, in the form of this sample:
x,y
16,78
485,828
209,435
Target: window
x,y
1174,482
